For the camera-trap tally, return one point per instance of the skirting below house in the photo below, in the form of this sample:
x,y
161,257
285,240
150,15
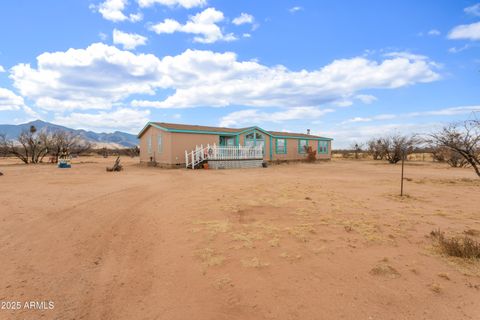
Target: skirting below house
x,y
234,164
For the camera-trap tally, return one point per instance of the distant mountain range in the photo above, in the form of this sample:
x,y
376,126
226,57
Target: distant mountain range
x,y
115,139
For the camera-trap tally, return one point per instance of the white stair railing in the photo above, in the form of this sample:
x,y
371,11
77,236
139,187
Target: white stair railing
x,y
214,152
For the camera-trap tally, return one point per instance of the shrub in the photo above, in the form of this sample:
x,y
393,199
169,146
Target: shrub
x,y
463,247
311,154
452,157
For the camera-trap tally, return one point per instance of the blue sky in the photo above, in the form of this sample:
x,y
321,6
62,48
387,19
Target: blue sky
x,y
344,69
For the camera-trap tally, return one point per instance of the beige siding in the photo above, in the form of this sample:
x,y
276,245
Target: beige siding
x,y
292,150
175,144
188,141
162,155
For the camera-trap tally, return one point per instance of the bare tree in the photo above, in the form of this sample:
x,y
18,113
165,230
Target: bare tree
x,y
397,146
356,147
64,141
133,151
449,156
462,138
31,146
375,149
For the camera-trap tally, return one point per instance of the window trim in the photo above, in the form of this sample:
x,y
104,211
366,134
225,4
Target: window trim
x,y
324,144
159,143
300,149
149,144
279,151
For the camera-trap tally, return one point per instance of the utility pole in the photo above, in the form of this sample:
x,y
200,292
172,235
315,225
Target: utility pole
x,y
403,164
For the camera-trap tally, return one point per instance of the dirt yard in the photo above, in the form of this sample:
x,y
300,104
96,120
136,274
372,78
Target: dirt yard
x,y
331,240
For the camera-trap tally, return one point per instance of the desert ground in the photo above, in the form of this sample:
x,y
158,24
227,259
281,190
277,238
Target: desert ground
x,y
330,240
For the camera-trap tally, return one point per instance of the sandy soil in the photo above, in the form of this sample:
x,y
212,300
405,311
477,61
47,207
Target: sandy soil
x,y
300,241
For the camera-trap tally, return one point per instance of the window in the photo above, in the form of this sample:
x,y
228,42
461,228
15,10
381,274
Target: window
x,y
302,144
159,143
254,139
149,144
227,141
322,146
281,146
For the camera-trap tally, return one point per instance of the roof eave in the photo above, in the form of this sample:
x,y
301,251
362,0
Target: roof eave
x,y
150,124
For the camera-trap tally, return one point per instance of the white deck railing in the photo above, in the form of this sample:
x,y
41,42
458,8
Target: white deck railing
x,y
214,152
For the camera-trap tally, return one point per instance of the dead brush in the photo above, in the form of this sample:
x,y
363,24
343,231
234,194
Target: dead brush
x,y
462,247
311,154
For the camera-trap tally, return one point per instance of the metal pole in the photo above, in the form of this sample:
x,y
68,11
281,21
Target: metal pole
x,y
401,184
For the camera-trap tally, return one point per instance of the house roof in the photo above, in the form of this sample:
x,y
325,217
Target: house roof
x,y
294,135
177,127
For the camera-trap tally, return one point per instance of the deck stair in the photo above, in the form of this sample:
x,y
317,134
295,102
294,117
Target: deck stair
x,y
195,158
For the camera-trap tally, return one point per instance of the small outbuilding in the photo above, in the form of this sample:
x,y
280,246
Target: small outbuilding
x,y
181,145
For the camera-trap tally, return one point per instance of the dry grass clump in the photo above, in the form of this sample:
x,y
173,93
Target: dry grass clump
x,y
223,282
462,247
214,227
435,287
290,258
254,263
247,239
302,232
385,270
210,258
444,275
472,232
451,182
275,242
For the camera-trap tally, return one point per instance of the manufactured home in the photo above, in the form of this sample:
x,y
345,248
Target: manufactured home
x,y
181,145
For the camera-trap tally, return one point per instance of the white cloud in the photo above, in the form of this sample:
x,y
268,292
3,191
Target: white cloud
x,y
246,35
135,17
255,116
439,112
434,32
103,76
9,100
112,10
295,9
2,69
357,119
128,40
243,18
102,36
344,136
459,49
366,98
342,102
360,129
205,78
203,24
187,4
446,111
406,55
91,78
473,10
466,31
121,119
167,26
